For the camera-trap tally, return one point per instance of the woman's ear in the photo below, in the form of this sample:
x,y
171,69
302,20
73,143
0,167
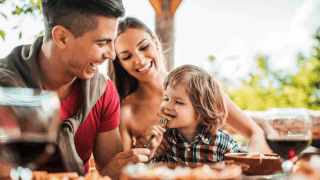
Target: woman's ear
x,y
61,36
156,41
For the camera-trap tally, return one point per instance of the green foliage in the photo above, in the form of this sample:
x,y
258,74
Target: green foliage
x,y
29,7
4,15
2,34
268,88
211,58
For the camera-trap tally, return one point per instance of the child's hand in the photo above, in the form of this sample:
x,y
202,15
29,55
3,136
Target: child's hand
x,y
157,131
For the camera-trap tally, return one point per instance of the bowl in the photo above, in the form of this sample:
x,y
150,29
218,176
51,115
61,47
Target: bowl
x,y
262,165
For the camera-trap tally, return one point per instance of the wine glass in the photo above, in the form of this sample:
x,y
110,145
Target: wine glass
x,y
288,132
28,129
315,117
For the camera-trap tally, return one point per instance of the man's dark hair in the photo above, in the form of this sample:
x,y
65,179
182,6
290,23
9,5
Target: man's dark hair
x,y
78,16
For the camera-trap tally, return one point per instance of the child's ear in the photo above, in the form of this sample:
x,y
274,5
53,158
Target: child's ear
x,y
199,118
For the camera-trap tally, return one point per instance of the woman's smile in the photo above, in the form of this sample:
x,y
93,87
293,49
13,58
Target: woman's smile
x,y
145,69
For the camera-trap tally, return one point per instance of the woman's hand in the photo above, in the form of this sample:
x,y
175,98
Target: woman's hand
x,y
258,143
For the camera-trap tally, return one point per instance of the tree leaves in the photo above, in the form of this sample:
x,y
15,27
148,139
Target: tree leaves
x,y
29,7
3,35
4,15
266,88
18,11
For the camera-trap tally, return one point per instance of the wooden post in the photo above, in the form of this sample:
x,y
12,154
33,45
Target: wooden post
x,y
165,10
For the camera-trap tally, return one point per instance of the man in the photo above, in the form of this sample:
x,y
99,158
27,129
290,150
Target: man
x,y
79,36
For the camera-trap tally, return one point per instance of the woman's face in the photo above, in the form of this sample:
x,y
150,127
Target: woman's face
x,y
138,54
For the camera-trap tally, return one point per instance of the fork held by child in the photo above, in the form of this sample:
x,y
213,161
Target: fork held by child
x,y
163,121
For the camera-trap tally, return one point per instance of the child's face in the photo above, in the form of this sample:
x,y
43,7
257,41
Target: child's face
x,y
177,104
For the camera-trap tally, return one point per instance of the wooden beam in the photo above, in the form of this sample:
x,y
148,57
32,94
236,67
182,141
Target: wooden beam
x,y
165,11
156,4
174,5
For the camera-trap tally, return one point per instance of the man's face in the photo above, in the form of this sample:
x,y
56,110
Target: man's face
x,y
85,53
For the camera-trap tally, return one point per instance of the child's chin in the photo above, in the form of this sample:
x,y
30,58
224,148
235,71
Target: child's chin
x,y
169,126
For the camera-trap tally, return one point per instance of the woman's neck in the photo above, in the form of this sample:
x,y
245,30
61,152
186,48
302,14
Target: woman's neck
x,y
153,88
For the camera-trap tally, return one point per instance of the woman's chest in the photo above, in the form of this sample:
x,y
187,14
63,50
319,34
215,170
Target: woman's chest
x,y
143,118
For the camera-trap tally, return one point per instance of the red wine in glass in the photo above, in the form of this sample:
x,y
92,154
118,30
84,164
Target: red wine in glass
x,y
29,121
26,152
288,132
287,148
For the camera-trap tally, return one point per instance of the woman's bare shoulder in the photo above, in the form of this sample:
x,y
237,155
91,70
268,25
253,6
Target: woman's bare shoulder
x,y
128,108
125,112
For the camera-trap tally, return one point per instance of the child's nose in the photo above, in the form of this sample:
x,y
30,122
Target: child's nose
x,y
168,106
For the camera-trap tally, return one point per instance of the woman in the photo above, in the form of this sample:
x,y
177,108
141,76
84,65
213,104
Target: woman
x,y
139,72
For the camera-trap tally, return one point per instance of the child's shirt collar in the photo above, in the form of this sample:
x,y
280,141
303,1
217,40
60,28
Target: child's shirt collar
x,y
200,137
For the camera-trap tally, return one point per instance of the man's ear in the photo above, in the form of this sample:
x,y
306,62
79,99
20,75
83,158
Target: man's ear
x,y
60,36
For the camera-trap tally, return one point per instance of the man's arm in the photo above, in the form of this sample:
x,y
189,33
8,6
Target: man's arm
x,y
108,155
126,137
125,119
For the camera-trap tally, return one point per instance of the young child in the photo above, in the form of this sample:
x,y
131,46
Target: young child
x,y
194,100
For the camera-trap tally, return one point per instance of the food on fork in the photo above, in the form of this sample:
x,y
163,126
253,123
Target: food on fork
x,y
168,117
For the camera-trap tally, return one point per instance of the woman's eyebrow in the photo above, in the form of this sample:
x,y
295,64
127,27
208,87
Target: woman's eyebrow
x,y
137,45
140,42
123,52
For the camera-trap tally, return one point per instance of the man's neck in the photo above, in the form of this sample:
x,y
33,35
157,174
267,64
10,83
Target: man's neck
x,y
52,75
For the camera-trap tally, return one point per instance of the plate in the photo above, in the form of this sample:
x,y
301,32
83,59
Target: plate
x,y
160,171
270,164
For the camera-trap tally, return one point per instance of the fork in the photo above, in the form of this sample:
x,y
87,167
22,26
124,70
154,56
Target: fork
x,y
147,144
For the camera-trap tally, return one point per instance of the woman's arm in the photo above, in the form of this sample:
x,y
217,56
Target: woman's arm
x,y
246,127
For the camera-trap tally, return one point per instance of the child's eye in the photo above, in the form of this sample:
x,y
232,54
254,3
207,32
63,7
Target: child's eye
x,y
179,102
165,99
144,48
128,57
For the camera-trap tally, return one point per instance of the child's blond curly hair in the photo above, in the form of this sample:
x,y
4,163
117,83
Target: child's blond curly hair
x,y
205,93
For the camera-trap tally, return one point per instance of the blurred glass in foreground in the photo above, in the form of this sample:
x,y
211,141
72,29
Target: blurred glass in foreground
x,y
28,129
